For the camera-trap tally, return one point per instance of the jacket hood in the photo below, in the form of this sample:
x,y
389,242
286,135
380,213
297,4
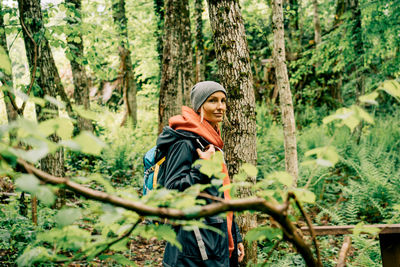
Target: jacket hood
x,y
190,121
169,136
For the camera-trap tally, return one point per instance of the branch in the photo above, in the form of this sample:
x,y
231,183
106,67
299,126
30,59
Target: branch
x,y
278,212
309,224
343,252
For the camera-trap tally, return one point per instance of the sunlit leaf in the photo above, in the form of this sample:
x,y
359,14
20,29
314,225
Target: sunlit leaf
x,y
369,98
391,87
27,183
5,63
45,195
87,114
263,232
282,177
89,143
67,216
304,195
121,259
54,101
361,228
250,169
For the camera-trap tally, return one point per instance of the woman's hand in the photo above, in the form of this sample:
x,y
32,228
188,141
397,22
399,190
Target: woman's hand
x,y
207,153
241,254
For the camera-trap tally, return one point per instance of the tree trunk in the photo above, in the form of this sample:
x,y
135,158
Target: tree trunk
x,y
199,40
239,128
357,69
177,67
317,24
47,76
75,45
5,78
285,96
126,76
159,12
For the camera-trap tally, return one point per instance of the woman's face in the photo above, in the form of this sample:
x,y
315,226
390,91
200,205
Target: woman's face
x,y
214,108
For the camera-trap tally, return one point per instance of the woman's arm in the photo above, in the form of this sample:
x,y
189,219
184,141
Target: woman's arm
x,y
179,173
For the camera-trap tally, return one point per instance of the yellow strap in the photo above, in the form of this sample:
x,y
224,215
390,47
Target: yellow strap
x,y
156,171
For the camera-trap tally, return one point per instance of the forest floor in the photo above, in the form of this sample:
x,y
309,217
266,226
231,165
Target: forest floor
x,y
147,252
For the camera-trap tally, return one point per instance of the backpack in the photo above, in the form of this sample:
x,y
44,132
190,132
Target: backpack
x,y
151,169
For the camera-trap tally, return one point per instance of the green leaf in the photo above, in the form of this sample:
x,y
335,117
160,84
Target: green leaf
x,y
282,177
263,232
326,156
250,169
369,98
361,228
100,179
120,245
67,216
45,195
77,39
89,143
304,195
362,114
121,259
392,87
87,114
27,183
63,127
33,155
5,63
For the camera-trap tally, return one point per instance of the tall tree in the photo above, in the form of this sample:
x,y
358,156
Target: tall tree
x,y
199,41
239,128
75,46
126,76
159,12
285,96
177,67
41,58
6,78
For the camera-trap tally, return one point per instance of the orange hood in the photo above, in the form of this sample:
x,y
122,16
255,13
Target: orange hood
x,y
190,121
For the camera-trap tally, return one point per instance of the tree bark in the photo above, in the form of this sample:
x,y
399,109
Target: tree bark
x,y
239,128
75,45
47,77
317,24
159,12
177,68
6,79
285,96
126,76
199,41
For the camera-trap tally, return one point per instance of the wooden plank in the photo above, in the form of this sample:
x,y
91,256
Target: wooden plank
x,y
390,249
346,229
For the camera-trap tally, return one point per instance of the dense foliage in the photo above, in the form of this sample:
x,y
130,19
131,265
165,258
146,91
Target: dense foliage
x,y
347,145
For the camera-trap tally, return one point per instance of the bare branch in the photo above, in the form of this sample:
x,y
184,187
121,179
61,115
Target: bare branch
x,y
343,251
309,224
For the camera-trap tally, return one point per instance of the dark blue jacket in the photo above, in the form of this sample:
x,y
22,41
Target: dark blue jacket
x,y
178,172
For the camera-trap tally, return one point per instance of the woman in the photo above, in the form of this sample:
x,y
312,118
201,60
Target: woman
x,y
192,135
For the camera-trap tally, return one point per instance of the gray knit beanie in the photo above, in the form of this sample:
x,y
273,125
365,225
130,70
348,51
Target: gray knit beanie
x,y
202,90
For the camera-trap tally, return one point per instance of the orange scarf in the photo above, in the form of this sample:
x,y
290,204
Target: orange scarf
x,y
190,121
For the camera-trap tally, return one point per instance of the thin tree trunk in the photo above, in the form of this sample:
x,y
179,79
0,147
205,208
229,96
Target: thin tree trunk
x,y
285,96
47,79
6,78
199,40
75,44
126,77
317,24
159,12
239,128
187,54
177,67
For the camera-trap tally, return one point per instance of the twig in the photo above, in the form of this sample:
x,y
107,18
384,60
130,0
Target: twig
x,y
343,251
205,195
309,224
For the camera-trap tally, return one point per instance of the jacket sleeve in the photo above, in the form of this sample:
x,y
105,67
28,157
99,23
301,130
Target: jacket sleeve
x,y
239,238
179,173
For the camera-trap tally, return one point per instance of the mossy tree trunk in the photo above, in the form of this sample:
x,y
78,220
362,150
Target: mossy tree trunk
x,y
75,46
285,95
239,128
126,76
199,41
177,62
47,77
